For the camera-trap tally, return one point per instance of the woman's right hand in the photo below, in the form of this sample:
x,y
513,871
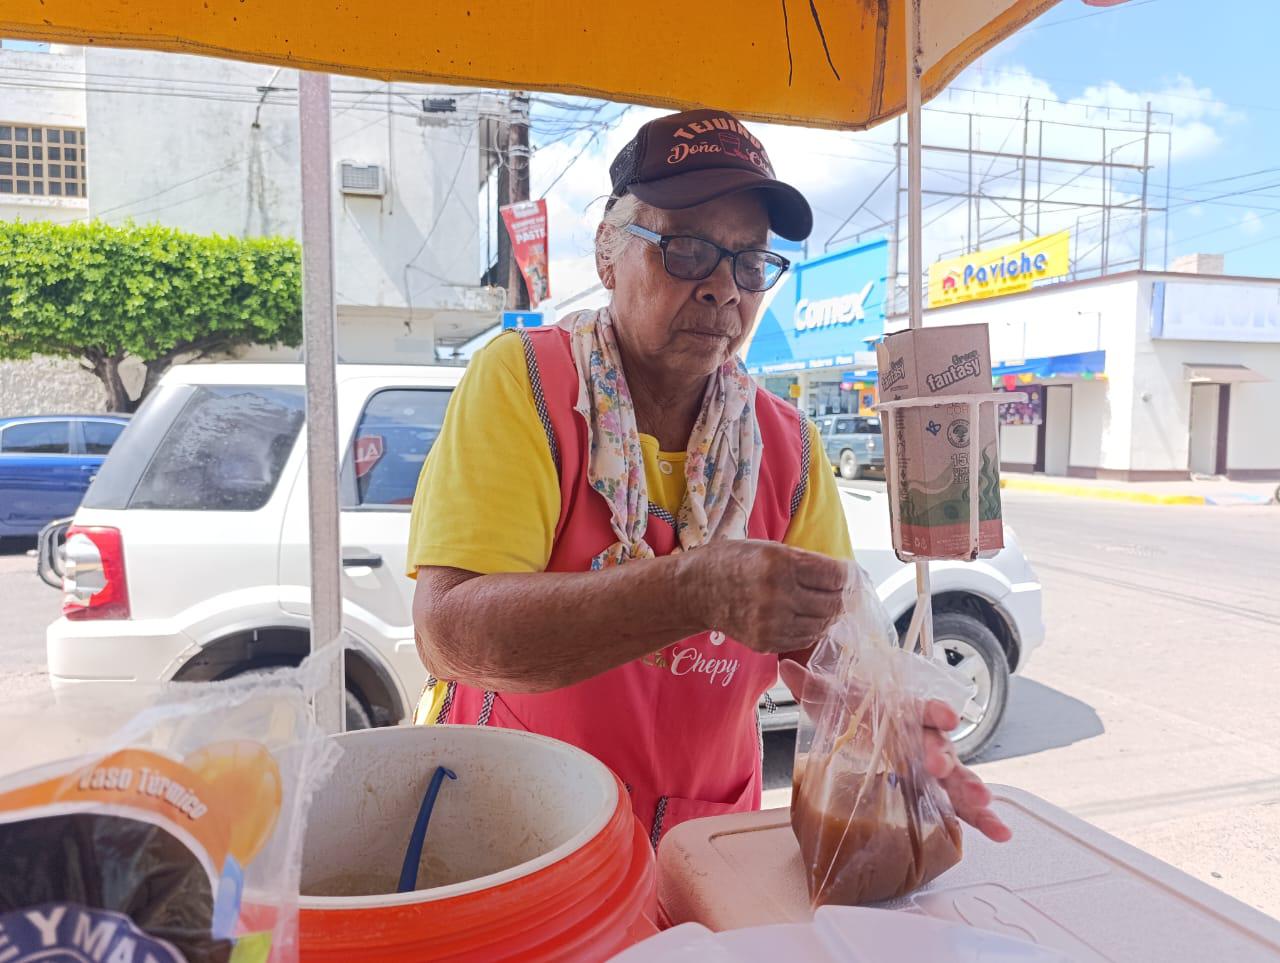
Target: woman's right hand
x,y
770,597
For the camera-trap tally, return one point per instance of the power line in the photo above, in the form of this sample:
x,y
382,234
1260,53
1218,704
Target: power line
x,y
273,148
582,150
1080,80
1085,16
440,208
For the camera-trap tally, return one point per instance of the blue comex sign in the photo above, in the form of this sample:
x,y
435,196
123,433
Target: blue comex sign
x,y
827,311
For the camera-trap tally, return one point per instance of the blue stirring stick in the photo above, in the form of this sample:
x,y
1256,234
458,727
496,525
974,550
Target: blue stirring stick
x,y
413,855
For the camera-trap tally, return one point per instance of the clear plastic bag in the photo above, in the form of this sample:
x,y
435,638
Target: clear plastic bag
x,y
872,824
172,834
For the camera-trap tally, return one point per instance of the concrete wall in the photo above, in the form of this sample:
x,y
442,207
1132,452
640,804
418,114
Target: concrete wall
x,y
1162,406
46,104
368,336
185,152
1090,417
1253,435
50,386
1067,319
1018,445
1138,419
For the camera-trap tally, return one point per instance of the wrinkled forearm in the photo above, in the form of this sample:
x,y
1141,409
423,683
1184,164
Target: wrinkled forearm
x,y
535,632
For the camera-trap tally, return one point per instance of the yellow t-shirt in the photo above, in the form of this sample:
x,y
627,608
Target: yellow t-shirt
x,y
488,498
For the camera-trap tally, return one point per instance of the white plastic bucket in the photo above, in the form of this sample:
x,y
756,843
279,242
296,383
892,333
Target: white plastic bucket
x,y
532,851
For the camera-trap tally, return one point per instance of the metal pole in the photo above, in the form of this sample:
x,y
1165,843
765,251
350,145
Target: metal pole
x,y
1039,168
857,210
915,256
1022,192
1168,172
915,264
320,353
897,218
968,204
1106,210
1146,157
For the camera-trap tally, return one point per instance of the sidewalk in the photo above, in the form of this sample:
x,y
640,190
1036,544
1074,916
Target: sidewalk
x,y
1213,492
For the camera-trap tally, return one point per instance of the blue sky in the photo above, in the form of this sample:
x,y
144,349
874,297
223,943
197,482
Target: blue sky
x,y
1227,52
1208,70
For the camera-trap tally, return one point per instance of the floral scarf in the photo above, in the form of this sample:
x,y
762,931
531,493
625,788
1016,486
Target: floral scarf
x,y
722,466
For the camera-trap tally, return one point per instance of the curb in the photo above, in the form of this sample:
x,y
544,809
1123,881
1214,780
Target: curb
x,y
1230,499
1105,494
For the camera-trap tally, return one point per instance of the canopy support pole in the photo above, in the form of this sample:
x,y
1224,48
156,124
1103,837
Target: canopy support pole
x,y
319,324
915,269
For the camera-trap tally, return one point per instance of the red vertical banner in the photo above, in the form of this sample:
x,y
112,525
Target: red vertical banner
x,y
527,225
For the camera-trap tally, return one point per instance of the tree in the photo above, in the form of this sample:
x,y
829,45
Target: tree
x,y
101,294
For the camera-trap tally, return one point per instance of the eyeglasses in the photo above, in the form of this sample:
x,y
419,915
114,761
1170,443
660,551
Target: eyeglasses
x,y
696,258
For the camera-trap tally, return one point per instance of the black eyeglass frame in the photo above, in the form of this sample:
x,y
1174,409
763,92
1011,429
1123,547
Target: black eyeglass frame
x,y
662,240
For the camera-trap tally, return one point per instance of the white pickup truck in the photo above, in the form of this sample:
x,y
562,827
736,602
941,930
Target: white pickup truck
x,y
188,558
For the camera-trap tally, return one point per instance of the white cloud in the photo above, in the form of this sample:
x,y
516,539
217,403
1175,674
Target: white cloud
x,y
1251,224
837,172
1197,114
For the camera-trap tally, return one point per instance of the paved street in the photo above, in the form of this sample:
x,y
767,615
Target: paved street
x,y
1150,711
27,605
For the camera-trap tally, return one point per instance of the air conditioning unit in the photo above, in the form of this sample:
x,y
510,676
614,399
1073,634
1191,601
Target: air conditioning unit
x,y
365,179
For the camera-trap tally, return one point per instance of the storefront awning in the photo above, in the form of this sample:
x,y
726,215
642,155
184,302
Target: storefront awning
x,y
1221,374
1056,366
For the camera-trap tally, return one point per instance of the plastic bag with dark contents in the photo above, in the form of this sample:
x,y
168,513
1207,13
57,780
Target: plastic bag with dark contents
x,y
169,835
872,824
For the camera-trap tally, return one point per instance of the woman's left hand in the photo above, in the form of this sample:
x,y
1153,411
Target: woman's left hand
x,y
969,794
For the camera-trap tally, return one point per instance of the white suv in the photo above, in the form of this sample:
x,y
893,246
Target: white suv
x,y
188,558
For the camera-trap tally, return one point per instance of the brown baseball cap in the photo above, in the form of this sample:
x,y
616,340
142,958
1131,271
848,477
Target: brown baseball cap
x,y
689,158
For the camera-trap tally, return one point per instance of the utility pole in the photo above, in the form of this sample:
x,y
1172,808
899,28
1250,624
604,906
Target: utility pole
x,y
498,274
968,204
1022,193
1146,167
1106,208
517,158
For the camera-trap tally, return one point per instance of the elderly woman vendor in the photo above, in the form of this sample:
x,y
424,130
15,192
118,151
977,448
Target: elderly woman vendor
x,y
617,534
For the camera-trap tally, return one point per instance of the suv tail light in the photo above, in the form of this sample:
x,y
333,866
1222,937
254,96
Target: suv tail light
x,y
94,585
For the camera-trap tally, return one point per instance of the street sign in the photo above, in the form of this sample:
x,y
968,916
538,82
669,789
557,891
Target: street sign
x,y
522,319
369,451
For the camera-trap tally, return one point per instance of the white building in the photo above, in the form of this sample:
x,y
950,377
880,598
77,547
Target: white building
x,y
1165,376
211,146
1140,376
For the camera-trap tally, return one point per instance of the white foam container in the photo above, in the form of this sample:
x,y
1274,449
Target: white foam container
x,y
840,934
1061,884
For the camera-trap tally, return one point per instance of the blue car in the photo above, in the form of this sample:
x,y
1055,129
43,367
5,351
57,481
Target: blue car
x,y
46,464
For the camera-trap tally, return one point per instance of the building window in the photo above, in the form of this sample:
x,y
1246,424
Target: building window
x,y
42,161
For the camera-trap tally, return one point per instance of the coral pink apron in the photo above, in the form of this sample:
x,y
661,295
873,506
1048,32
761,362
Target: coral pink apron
x,y
680,727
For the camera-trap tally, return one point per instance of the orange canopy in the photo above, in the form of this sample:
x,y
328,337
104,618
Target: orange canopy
x,y
826,63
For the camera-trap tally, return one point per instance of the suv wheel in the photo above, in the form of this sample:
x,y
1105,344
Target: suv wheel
x,y
358,715
973,648
850,470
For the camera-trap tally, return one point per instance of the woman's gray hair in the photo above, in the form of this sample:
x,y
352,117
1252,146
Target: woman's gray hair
x,y
610,243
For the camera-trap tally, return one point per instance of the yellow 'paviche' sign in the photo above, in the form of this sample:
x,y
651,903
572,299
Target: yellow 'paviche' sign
x,y
1002,270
